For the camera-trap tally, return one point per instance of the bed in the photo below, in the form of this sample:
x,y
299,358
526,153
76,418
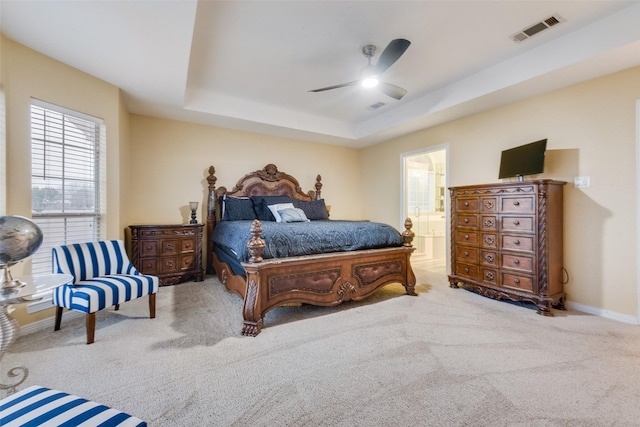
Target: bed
x,y
270,262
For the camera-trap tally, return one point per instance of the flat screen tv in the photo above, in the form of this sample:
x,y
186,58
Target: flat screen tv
x,y
524,160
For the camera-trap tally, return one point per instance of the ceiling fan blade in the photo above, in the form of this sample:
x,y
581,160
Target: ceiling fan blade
x,y
390,54
393,91
353,83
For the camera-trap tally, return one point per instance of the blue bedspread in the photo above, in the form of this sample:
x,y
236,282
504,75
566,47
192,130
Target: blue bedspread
x,y
306,238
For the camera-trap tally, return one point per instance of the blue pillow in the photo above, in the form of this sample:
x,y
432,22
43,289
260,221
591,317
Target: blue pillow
x,y
314,210
237,209
261,205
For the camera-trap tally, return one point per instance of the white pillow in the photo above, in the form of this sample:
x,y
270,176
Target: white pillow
x,y
293,215
278,207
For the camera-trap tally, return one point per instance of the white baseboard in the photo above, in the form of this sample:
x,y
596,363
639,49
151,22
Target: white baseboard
x,y
48,323
625,318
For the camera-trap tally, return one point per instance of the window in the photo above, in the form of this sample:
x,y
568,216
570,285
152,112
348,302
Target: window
x,y
66,178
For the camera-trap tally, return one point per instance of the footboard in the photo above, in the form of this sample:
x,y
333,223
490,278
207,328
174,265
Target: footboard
x,y
327,280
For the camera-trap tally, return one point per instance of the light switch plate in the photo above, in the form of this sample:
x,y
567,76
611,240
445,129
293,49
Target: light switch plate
x,y
582,182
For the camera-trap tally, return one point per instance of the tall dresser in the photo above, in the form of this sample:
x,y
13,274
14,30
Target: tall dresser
x,y
506,241
173,253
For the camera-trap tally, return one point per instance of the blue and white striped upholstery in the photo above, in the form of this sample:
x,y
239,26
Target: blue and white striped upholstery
x,y
102,274
40,406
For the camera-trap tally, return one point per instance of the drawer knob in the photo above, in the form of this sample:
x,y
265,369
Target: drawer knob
x,y
488,222
170,246
466,269
489,275
149,247
489,205
516,203
466,220
466,236
466,253
516,281
466,204
187,262
489,257
188,245
516,262
516,222
489,240
516,242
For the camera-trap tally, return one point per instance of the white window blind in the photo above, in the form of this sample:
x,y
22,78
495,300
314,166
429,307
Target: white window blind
x,y
66,178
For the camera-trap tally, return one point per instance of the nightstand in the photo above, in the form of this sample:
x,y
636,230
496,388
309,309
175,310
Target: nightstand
x,y
173,253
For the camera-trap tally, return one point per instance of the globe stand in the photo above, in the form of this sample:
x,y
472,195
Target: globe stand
x,y
8,282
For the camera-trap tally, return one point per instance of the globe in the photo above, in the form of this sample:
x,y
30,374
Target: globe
x,y
19,239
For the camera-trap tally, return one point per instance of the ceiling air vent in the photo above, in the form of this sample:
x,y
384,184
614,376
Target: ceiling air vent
x,y
536,28
376,105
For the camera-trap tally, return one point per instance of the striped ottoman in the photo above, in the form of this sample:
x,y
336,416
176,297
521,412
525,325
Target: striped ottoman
x,y
38,406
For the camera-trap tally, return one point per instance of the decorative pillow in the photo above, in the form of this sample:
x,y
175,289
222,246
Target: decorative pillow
x,y
237,209
261,205
275,209
292,215
314,210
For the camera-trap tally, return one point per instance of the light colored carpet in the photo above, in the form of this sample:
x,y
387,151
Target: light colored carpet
x,y
448,357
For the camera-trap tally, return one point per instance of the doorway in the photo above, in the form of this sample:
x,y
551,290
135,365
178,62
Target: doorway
x,y
424,200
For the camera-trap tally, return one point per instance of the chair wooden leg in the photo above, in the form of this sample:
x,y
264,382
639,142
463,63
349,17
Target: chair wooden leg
x,y
117,307
58,318
152,306
91,327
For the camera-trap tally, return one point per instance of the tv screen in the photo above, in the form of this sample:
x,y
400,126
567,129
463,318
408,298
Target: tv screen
x,y
524,160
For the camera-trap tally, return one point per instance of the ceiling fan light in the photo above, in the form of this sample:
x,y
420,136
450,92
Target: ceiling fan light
x,y
370,82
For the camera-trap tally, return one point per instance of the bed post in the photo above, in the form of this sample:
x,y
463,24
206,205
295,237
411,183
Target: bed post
x,y
318,187
211,216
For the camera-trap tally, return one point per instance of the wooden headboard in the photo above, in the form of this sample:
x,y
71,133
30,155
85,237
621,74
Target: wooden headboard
x,y
268,181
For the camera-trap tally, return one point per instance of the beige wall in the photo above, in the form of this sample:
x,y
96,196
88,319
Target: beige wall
x,y
28,74
591,132
170,162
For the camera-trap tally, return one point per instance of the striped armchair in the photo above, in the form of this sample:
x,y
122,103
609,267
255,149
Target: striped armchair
x,y
103,277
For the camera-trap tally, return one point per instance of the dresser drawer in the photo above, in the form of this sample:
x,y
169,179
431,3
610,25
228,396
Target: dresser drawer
x,y
149,266
490,276
169,265
518,262
467,254
490,240
489,258
467,221
519,224
514,281
467,204
186,262
488,204
489,222
517,243
467,237
187,245
517,204
169,247
467,270
148,248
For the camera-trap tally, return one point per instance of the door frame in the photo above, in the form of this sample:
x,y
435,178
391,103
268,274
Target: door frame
x,y
426,150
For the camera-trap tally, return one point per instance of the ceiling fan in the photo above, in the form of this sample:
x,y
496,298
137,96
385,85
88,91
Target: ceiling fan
x,y
370,75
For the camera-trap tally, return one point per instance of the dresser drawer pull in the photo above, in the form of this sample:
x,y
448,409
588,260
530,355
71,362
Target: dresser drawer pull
x,y
516,261
516,242
466,236
516,222
516,281
489,275
466,253
188,245
489,257
466,204
170,246
489,240
466,269
466,220
149,247
488,222
488,205
516,203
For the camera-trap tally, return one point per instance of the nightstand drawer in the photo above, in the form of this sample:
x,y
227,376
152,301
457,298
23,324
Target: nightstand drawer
x,y
187,245
149,248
